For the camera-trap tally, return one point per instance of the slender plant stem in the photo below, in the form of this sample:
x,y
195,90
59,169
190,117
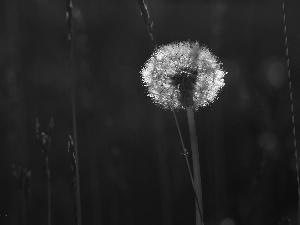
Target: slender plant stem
x,y
48,189
73,102
76,155
185,153
196,163
292,102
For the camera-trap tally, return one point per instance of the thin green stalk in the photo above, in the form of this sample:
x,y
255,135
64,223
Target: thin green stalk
x,y
77,167
69,17
196,163
45,142
185,153
292,104
48,190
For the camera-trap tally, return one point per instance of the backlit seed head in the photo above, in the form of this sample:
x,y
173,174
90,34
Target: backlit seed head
x,y
183,74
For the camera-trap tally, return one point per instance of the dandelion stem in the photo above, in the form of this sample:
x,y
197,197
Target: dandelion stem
x,y
187,161
196,163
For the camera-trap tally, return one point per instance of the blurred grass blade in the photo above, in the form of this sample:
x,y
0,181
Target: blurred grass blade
x,y
146,17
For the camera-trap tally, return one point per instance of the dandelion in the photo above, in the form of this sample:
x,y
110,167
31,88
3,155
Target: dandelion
x,y
187,76
183,74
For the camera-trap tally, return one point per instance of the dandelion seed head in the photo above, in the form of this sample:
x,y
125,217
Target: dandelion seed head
x,y
183,74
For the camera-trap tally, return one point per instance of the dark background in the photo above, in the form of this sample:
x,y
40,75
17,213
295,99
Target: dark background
x,y
131,168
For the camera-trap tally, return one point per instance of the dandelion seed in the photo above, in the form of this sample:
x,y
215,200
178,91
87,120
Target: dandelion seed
x,y
183,74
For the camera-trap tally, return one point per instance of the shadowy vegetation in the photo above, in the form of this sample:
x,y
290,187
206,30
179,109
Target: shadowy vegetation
x,y
131,167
